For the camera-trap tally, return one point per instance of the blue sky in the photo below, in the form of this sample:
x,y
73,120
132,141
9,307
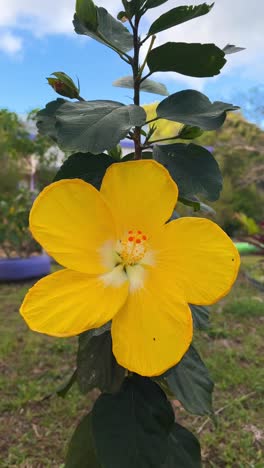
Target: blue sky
x,y
37,38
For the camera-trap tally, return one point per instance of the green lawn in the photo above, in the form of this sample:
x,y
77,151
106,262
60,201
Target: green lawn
x,y
34,432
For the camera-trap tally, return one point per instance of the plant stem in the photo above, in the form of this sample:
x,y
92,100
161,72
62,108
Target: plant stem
x,y
136,76
145,61
164,139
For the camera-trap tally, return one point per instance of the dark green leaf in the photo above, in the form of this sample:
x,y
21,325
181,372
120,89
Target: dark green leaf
x,y
153,3
96,364
131,428
95,126
132,6
189,133
184,449
194,108
177,16
149,86
109,31
46,118
81,452
85,166
200,315
199,60
193,168
191,383
232,49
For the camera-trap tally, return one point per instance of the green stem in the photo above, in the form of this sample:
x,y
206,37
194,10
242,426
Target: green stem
x,y
149,49
136,76
164,139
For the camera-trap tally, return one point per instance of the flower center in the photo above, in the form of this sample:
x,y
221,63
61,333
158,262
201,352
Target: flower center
x,y
132,247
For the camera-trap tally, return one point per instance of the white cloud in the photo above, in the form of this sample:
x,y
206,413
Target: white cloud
x,y
10,43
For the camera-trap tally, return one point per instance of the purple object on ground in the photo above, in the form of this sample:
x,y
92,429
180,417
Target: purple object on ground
x,y
19,269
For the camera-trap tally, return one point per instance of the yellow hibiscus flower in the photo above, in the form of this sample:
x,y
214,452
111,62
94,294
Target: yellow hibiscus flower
x,y
125,264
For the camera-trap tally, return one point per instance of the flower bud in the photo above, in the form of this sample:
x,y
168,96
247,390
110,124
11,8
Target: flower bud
x,y
64,85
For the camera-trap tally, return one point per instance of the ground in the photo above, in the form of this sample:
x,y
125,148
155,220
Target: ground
x,y
34,432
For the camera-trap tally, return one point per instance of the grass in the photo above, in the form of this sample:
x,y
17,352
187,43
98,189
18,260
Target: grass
x,y
34,432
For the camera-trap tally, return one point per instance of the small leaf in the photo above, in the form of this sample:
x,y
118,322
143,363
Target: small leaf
x,y
232,49
96,364
184,449
131,428
86,166
191,383
149,86
198,60
95,126
188,132
200,315
46,118
193,202
191,107
64,85
109,31
81,452
193,168
177,16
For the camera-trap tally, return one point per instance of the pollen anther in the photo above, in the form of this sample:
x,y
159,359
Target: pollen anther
x,y
132,248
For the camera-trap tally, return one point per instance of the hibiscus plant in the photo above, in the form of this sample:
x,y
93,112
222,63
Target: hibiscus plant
x,y
136,278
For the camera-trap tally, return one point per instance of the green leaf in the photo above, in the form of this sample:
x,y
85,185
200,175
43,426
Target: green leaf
x,y
188,132
177,16
132,7
85,166
193,168
191,107
184,449
191,383
116,153
153,3
46,118
96,364
109,31
86,12
95,126
81,452
200,315
131,428
199,60
149,86
232,49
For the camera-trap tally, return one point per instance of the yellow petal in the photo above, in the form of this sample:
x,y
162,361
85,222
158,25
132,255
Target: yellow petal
x,y
68,303
200,257
72,222
153,330
141,195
